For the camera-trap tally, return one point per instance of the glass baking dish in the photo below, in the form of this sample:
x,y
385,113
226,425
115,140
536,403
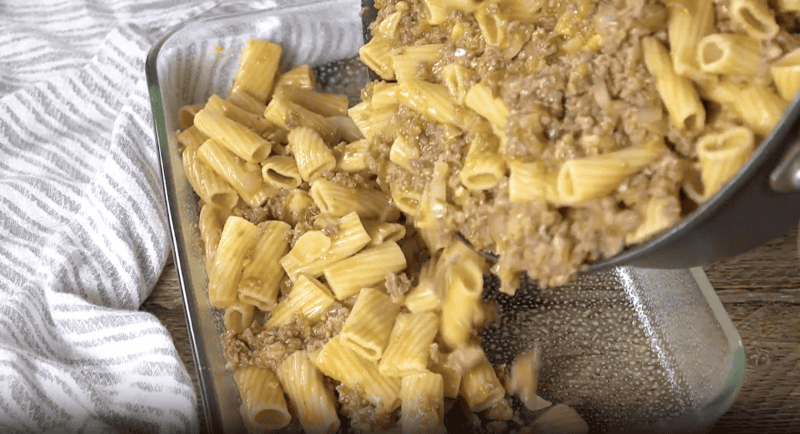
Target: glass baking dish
x,y
631,349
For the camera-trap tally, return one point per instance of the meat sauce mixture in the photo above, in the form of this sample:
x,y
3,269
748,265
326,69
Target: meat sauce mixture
x,y
576,85
564,80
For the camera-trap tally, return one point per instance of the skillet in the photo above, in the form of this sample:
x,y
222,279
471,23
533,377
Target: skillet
x,y
761,202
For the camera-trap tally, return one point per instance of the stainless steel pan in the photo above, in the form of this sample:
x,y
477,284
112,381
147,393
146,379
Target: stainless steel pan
x,y
758,204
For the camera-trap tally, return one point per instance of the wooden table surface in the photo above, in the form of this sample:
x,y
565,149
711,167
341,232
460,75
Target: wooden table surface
x,y
760,290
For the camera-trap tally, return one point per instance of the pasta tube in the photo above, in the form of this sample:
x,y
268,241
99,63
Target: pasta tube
x,y
346,130
240,140
261,277
263,404
236,240
382,232
755,17
314,251
458,79
388,26
451,379
759,107
301,77
409,344
430,100
308,297
407,201
314,403
341,363
436,13
481,99
524,380
244,178
461,307
529,181
338,200
659,214
493,26
484,167
212,188
252,121
424,297
587,178
377,55
325,104
289,115
688,23
408,61
468,6
430,217
186,115
789,5
729,54
256,72
480,387
786,74
560,418
238,317
354,156
422,409
402,152
364,269
210,223
281,171
374,120
369,325
312,155
191,137
722,155
679,95
247,102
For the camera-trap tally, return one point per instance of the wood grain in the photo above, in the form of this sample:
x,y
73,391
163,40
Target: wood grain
x,y
760,290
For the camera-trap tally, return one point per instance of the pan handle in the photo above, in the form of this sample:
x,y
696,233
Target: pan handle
x,y
785,178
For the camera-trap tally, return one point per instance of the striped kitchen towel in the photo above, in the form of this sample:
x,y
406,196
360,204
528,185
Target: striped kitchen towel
x,y
83,230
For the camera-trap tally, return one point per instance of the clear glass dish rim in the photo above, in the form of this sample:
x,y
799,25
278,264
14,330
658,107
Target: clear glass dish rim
x,y
709,412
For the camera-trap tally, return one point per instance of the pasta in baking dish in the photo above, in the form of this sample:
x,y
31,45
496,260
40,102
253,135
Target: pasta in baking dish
x,y
309,257
341,242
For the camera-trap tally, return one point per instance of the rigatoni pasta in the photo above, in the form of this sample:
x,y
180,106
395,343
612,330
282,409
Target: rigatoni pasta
x,y
263,404
314,403
245,179
312,156
314,251
237,138
409,343
677,92
786,74
262,276
256,73
308,298
238,317
364,269
492,126
341,363
212,188
237,236
369,326
423,403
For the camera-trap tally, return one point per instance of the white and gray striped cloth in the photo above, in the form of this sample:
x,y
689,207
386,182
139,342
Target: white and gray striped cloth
x,y
83,230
